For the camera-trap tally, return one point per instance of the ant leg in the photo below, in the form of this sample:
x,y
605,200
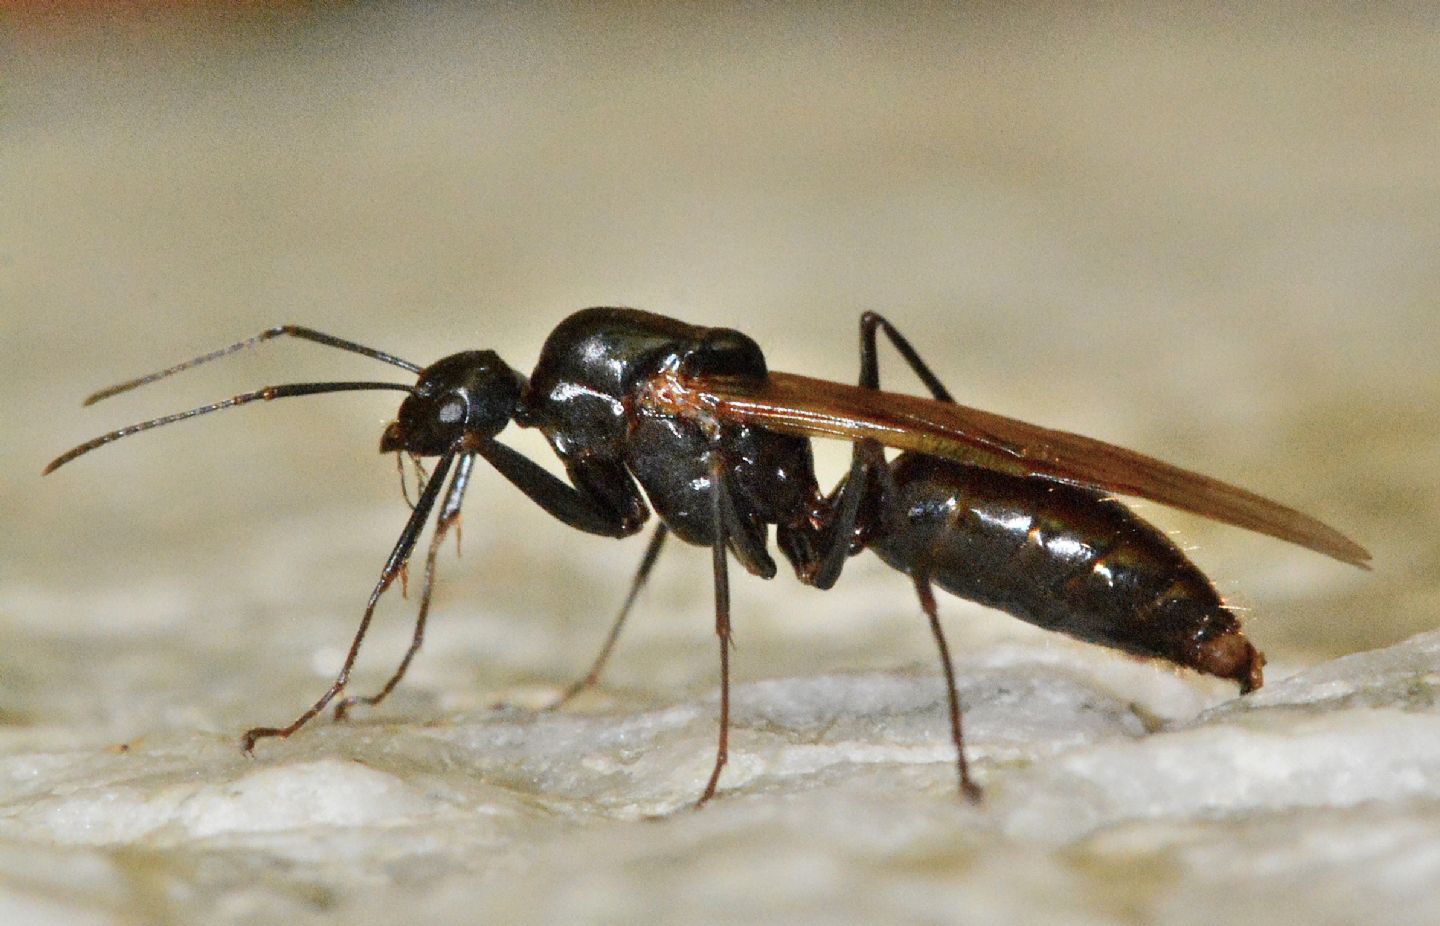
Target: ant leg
x,y
867,464
398,558
845,513
867,460
870,366
722,619
449,514
870,379
619,514
652,553
921,577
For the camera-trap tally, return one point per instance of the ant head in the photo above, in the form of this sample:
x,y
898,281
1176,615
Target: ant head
x,y
471,393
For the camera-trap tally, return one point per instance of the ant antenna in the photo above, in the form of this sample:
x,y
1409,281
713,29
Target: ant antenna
x,y
261,395
294,331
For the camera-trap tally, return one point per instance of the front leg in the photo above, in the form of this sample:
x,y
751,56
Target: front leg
x,y
603,500
448,517
399,556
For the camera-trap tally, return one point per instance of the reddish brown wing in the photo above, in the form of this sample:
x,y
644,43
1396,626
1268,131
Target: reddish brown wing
x,y
808,407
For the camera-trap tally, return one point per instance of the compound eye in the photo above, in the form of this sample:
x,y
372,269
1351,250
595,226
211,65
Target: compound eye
x,y
452,411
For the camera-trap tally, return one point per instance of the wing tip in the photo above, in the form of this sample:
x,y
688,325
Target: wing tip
x,y
1335,545
1358,556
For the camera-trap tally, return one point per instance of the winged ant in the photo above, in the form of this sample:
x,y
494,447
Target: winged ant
x,y
646,412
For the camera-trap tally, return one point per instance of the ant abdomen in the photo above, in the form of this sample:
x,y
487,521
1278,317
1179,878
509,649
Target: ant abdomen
x,y
1064,558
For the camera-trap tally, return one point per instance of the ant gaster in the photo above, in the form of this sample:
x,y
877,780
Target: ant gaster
x,y
647,412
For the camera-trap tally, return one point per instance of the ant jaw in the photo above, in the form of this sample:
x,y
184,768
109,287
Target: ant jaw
x,y
393,439
396,438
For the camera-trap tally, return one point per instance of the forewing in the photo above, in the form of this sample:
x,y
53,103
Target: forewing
x,y
802,406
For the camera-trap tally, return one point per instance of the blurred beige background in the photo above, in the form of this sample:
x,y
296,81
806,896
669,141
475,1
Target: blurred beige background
x,y
1209,236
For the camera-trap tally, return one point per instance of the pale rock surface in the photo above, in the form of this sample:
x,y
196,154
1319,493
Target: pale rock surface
x,y
838,804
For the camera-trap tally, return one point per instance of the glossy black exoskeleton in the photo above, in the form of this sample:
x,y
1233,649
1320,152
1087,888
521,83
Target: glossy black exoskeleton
x,y
649,413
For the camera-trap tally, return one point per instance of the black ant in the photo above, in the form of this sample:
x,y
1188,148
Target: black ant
x,y
648,412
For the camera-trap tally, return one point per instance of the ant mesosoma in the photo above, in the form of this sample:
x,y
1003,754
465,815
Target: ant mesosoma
x,y
647,412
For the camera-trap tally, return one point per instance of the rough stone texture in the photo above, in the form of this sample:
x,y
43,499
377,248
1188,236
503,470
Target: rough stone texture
x,y
1212,239
1314,804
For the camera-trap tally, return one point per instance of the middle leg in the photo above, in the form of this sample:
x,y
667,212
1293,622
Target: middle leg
x,y
719,555
652,553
